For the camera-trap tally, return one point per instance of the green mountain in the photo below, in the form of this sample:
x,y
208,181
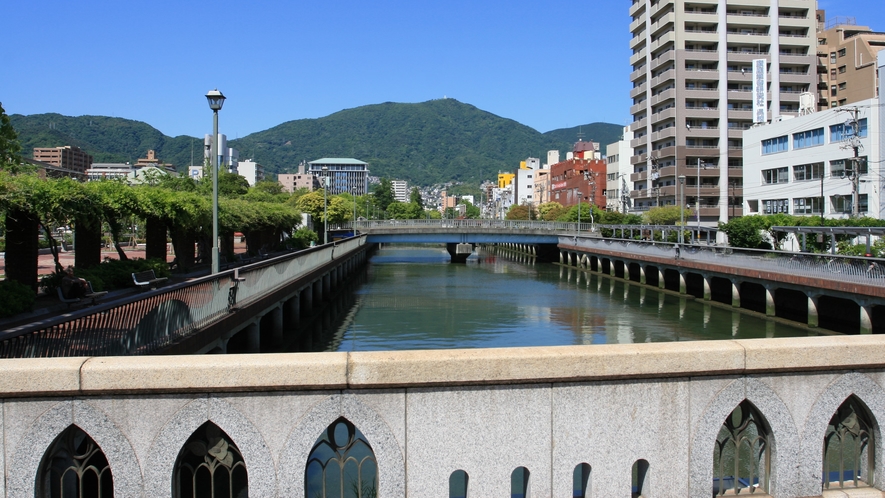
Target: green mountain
x,y
603,133
430,142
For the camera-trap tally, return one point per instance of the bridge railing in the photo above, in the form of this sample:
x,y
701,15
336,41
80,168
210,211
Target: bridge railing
x,y
147,322
866,271
475,224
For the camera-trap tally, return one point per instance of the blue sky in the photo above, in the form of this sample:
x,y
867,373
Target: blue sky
x,y
548,65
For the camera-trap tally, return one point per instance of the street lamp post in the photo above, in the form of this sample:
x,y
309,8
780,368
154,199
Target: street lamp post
x,y
681,208
353,191
325,215
216,100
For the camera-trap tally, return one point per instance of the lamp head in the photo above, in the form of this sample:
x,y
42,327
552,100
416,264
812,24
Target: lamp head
x,y
216,99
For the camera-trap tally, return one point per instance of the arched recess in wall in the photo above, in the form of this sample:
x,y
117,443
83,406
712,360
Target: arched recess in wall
x,y
581,481
742,454
458,484
519,483
849,447
210,465
74,465
341,463
640,479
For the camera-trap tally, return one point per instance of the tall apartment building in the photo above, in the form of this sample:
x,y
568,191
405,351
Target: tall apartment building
x,y
692,91
400,190
846,61
251,171
68,158
618,170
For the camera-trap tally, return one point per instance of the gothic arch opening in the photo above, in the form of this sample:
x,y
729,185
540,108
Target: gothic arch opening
x,y
210,466
742,454
74,466
341,463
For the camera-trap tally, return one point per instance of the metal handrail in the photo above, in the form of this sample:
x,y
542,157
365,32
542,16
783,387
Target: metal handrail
x,y
145,323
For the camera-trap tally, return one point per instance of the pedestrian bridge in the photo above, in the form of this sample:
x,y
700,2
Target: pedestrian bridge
x,y
466,231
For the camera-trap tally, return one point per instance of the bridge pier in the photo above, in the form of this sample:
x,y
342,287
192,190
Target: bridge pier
x,y
682,289
707,292
769,302
735,294
866,317
642,279
276,324
253,337
458,258
327,287
813,319
292,309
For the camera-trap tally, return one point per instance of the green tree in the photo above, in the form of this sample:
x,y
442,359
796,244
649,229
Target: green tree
x,y
522,212
383,194
415,197
10,147
666,215
473,212
549,211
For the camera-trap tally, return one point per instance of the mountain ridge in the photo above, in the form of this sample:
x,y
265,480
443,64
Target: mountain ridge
x,y
425,143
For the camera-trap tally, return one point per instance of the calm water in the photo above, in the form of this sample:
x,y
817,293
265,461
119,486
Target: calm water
x,y
413,298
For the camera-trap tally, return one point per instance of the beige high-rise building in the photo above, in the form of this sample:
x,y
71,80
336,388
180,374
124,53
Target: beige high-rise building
x,y
692,91
846,61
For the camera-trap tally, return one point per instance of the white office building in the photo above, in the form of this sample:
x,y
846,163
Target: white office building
x,y
828,161
251,171
618,169
400,190
344,174
227,156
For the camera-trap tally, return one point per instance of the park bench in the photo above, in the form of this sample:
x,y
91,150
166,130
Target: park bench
x,y
91,295
147,279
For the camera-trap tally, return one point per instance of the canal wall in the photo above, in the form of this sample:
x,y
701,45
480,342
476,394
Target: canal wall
x,y
545,411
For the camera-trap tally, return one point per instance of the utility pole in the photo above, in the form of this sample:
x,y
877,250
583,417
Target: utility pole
x,y
852,141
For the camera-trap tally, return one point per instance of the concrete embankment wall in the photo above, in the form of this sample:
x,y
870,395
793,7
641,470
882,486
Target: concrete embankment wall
x,y
427,414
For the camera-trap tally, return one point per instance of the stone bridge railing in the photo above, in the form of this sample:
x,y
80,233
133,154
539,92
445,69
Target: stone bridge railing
x,y
549,421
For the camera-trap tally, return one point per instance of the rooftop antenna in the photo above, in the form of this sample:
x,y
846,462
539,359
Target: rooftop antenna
x,y
580,134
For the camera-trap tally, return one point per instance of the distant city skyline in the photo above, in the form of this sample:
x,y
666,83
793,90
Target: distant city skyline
x,y
546,65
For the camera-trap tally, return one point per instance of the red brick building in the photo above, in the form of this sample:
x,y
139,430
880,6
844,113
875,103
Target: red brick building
x,y
582,177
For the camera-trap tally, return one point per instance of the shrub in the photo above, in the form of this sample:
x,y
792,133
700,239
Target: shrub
x,y
301,238
112,274
15,298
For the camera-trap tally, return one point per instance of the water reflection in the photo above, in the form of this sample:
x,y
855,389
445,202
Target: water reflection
x,y
412,298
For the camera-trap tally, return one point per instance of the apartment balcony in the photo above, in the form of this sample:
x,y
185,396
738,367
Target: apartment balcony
x,y
665,76
701,36
744,95
667,171
638,159
636,142
637,56
754,20
701,93
638,73
662,59
701,111
798,59
746,56
702,74
735,133
796,78
793,40
663,96
665,114
637,40
740,76
700,150
662,23
636,7
639,90
709,211
701,55
662,134
638,177
740,114
635,108
697,16
638,125
663,40
703,132
637,23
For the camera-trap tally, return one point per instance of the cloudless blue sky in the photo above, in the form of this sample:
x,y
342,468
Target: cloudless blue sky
x,y
547,64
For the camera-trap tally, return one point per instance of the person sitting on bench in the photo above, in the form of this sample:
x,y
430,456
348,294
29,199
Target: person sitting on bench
x,y
71,286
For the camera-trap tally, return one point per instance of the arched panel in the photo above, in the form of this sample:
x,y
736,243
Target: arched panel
x,y
742,454
210,465
581,481
458,484
74,466
519,483
341,460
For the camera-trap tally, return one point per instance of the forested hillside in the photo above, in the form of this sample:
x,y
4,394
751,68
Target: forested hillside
x,y
426,143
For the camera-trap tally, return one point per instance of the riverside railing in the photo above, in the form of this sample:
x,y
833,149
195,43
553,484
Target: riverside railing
x,y
860,270
145,323
474,224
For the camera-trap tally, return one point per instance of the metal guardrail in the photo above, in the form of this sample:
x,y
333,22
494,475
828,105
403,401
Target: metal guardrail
x,y
145,323
473,224
865,271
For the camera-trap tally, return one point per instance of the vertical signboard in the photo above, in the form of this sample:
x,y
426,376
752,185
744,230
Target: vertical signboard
x,y
759,94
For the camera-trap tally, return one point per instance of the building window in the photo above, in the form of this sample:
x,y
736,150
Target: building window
x,y
808,172
833,91
775,175
843,203
832,57
842,52
807,205
808,138
775,206
841,168
842,69
832,74
772,145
